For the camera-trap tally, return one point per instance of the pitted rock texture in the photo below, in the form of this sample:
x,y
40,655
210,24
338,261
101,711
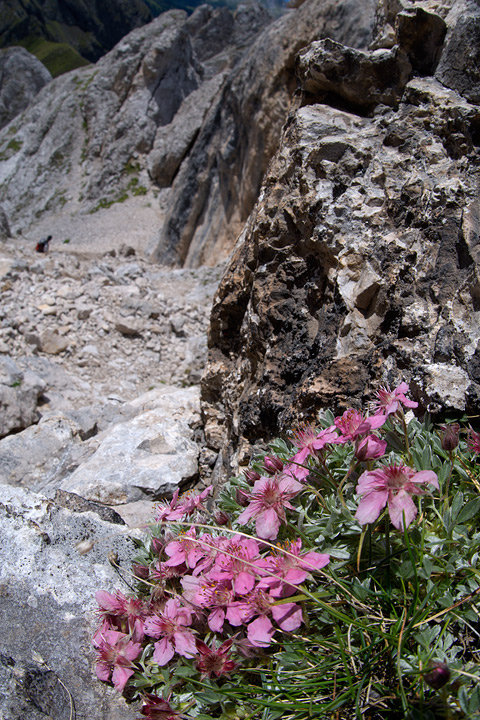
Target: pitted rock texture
x,y
359,266
22,76
48,609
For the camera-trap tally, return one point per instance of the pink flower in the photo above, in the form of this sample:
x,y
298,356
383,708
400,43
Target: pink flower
x,y
187,505
215,595
185,550
370,448
309,442
352,424
392,484
389,401
237,562
473,441
170,627
116,651
122,613
268,500
215,661
289,569
288,617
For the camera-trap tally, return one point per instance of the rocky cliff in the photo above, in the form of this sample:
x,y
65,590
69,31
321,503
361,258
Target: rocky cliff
x,y
121,128
359,265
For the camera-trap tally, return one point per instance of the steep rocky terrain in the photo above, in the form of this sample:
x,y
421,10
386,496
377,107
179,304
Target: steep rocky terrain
x,y
185,112
359,264
120,128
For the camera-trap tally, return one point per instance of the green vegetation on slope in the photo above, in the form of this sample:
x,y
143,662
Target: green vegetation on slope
x,y
58,58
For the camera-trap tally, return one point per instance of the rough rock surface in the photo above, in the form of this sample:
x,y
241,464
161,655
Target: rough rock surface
x,y
47,612
84,144
359,266
19,395
22,76
218,184
147,457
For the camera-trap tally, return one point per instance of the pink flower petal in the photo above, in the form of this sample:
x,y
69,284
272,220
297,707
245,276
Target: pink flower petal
x,y
370,506
398,505
120,677
216,620
244,583
260,632
268,524
288,616
103,670
163,652
185,644
426,476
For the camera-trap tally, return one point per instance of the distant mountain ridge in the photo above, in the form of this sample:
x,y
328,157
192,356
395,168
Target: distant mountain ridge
x,y
67,34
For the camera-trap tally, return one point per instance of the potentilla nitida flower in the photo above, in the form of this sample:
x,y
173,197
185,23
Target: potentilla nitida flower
x,y
353,425
288,567
260,605
184,506
236,561
450,437
393,485
215,661
214,595
116,652
156,708
370,448
170,626
309,442
389,401
473,441
268,500
122,613
438,675
185,549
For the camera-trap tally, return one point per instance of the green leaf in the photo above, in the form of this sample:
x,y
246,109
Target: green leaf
x,y
468,511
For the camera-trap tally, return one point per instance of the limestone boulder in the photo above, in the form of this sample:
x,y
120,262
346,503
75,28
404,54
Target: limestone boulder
x,y
48,609
148,457
19,394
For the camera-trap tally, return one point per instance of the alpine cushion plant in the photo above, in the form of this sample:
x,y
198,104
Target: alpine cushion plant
x,y
340,581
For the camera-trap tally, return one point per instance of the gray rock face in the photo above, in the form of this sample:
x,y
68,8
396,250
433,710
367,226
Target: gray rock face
x,y
47,613
218,183
4,226
358,267
86,142
22,76
459,67
362,79
150,456
19,394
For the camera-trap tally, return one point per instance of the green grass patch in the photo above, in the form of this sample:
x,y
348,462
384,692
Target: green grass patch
x,y
58,58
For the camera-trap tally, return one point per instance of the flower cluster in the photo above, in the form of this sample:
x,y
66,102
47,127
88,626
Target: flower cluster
x,y
222,592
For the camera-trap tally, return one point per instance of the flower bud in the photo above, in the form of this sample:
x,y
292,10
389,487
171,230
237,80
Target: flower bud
x,y
252,476
370,448
450,436
241,497
438,675
221,518
157,545
272,464
141,571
